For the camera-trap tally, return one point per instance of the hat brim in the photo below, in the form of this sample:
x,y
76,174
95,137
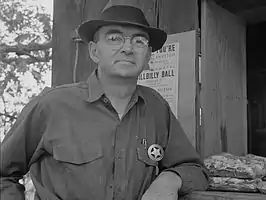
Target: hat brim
x,y
87,30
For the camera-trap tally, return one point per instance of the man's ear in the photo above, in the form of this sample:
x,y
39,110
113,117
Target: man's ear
x,y
147,67
149,53
93,51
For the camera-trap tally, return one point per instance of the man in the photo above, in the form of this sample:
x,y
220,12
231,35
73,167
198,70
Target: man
x,y
106,138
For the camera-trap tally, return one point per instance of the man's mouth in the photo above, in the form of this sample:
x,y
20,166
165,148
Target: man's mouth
x,y
126,61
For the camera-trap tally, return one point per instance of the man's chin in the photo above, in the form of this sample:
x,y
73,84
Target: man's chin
x,y
126,74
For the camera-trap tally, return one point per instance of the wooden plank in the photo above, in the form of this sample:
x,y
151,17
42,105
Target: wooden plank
x,y
91,9
223,95
68,16
209,195
178,16
65,21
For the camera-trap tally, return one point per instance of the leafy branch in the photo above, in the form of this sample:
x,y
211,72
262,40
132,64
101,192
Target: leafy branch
x,y
26,51
7,115
21,49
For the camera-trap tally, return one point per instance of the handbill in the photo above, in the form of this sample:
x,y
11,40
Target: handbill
x,y
162,74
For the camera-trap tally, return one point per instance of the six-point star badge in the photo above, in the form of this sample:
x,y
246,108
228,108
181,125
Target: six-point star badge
x,y
155,152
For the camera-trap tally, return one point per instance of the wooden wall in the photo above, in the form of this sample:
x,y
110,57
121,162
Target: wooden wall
x,y
174,16
68,14
223,94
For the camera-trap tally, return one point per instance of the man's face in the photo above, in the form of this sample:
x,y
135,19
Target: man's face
x,y
120,51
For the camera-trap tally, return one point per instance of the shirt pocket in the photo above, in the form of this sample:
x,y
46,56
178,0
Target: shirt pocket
x,y
147,169
78,154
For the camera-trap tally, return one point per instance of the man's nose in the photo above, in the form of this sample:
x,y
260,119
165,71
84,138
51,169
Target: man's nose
x,y
127,47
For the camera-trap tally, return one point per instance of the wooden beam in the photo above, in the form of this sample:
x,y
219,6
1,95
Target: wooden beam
x,y
236,6
209,195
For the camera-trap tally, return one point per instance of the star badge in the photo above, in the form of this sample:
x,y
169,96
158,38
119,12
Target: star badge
x,y
155,152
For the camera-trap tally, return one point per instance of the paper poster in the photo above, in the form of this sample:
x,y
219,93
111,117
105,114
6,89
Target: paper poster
x,y
162,74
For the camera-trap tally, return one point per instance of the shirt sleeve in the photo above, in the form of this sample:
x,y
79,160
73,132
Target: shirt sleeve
x,y
17,149
181,157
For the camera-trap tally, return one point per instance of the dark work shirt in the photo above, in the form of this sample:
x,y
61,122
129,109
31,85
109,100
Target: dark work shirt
x,y
76,147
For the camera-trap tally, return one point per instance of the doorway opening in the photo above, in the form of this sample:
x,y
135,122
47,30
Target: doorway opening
x,y
256,88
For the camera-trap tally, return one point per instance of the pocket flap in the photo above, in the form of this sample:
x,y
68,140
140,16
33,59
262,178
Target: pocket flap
x,y
142,155
77,154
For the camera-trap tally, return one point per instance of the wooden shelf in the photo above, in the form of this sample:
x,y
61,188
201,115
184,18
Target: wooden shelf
x,y
210,195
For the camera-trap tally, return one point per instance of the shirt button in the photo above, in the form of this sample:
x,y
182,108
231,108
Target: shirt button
x,y
105,100
119,190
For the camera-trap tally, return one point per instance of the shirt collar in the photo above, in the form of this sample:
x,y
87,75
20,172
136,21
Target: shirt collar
x,y
96,92
94,87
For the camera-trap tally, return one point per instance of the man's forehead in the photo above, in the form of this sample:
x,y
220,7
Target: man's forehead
x,y
127,30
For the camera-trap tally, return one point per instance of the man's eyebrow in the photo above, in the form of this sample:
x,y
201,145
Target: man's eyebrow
x,y
141,34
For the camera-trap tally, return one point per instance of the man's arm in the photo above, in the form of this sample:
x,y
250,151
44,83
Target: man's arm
x,y
17,149
182,159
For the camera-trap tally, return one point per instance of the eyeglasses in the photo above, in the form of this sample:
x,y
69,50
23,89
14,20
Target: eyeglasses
x,y
117,39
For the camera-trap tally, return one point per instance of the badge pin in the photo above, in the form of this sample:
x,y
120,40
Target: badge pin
x,y
144,142
155,152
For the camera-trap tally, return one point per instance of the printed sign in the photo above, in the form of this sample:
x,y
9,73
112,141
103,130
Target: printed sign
x,y
162,74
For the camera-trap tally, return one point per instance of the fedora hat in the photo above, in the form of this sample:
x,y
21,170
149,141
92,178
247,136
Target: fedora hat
x,y
123,15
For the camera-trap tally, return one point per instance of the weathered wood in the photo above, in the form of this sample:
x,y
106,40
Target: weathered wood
x,y
223,94
253,11
178,16
66,18
92,10
208,195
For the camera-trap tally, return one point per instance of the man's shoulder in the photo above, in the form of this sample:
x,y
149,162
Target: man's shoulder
x,y
152,96
62,91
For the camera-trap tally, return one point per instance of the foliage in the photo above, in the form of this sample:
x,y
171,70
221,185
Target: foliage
x,y
25,51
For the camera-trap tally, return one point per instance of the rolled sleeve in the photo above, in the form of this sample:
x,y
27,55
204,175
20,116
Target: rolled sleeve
x,y
193,177
181,158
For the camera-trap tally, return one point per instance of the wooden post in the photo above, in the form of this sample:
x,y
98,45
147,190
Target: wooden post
x,y
68,15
